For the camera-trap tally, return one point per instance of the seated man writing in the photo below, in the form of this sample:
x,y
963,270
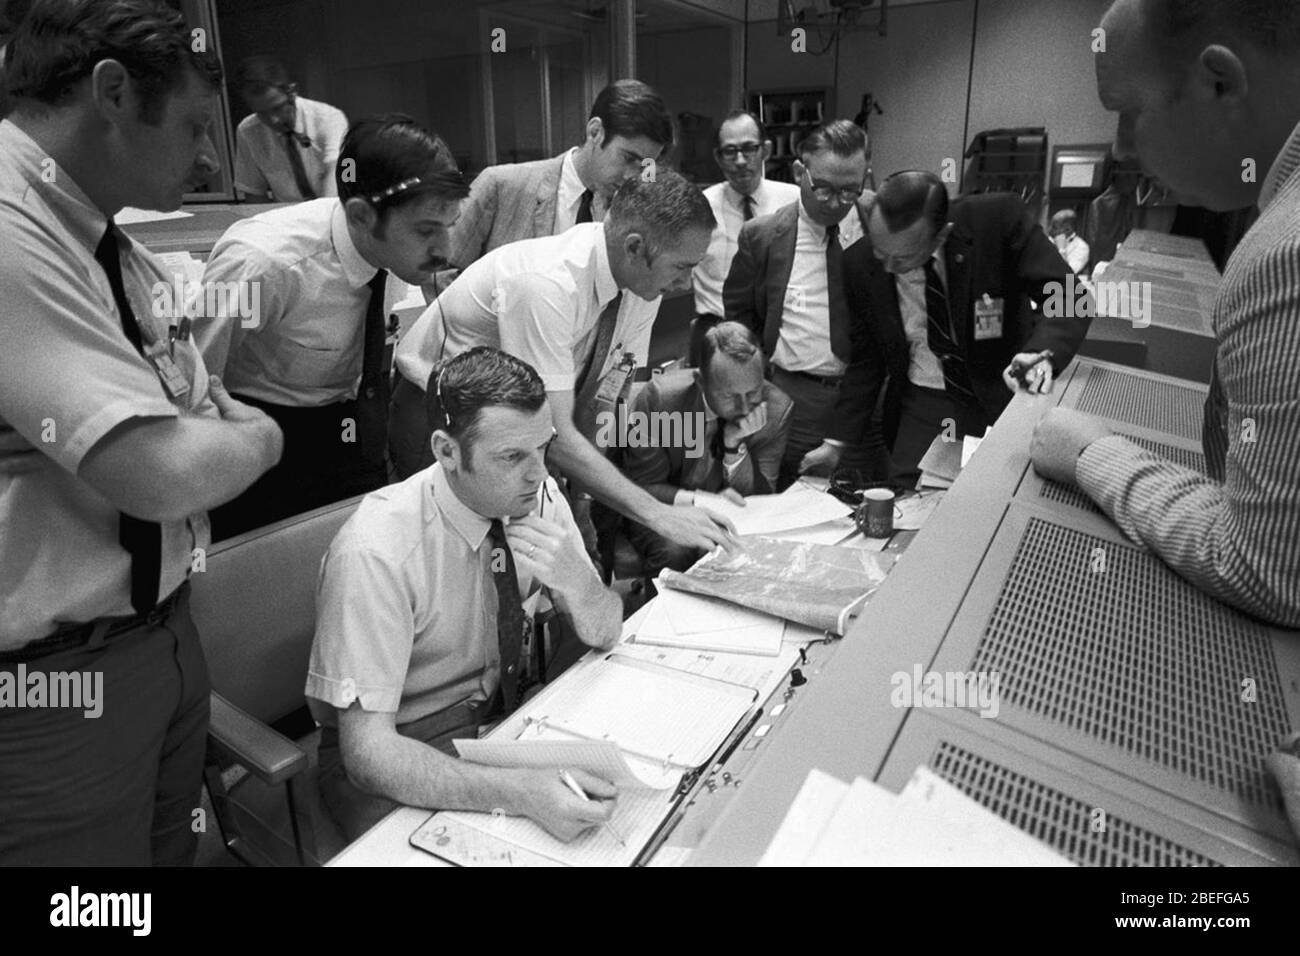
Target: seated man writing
x,y
739,423
423,606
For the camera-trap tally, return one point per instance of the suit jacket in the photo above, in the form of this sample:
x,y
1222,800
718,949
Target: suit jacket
x,y
996,249
505,204
678,393
754,293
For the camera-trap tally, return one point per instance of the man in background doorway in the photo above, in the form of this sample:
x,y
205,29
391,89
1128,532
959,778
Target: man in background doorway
x,y
286,149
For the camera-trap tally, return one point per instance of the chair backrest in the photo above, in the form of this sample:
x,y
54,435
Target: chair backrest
x,y
255,609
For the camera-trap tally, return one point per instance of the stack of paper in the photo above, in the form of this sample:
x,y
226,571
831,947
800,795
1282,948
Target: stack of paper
x,y
931,823
799,506
944,460
680,619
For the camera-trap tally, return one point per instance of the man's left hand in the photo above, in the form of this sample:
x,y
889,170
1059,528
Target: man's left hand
x,y
1038,380
1060,438
548,552
733,433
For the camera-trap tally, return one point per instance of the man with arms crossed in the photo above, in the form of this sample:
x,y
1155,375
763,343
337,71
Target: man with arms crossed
x,y
113,441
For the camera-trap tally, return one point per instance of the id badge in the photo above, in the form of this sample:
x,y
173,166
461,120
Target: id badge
x,y
173,379
988,318
611,386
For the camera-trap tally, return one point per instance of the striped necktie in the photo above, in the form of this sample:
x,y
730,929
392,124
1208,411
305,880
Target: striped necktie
x,y
942,341
139,538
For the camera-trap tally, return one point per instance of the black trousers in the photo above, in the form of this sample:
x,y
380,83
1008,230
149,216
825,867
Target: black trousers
x,y
925,414
331,452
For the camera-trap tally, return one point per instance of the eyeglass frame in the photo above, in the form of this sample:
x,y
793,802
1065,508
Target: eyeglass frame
x,y
825,193
748,150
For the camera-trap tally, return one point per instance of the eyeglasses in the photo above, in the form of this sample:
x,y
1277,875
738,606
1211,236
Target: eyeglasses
x,y
847,196
729,153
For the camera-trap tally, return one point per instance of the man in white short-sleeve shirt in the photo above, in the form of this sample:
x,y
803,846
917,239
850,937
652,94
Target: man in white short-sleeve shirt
x,y
575,307
113,442
424,598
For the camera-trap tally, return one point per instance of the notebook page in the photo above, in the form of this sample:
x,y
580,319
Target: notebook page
x,y
648,710
636,817
600,758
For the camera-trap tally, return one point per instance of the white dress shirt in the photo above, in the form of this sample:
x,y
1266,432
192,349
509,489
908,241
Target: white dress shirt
x,y
1075,253
569,197
923,366
262,166
537,299
407,620
805,341
729,211
304,348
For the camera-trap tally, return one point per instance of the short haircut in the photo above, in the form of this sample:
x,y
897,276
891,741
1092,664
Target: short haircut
x,y
737,114
912,195
59,42
461,387
1066,220
842,137
661,209
257,74
390,160
630,108
733,340
1182,28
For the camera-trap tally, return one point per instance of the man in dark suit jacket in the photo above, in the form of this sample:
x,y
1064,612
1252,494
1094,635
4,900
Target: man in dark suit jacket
x,y
737,422
786,284
628,126
941,298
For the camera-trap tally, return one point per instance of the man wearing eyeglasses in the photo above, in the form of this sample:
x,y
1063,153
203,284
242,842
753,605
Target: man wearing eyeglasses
x,y
786,283
741,152
286,149
310,352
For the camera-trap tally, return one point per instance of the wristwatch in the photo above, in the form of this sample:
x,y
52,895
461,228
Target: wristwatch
x,y
726,450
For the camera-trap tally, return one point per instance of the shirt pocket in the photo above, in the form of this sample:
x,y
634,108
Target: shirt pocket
x,y
305,366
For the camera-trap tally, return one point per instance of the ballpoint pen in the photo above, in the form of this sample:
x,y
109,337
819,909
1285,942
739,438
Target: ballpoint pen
x,y
567,779
1021,370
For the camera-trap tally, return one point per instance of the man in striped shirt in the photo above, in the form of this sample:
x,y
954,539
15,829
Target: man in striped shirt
x,y
1205,90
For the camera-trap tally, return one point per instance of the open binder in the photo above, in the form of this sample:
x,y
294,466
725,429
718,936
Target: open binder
x,y
634,722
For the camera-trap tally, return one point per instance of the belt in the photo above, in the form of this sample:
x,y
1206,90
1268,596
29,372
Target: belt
x,y
68,636
827,381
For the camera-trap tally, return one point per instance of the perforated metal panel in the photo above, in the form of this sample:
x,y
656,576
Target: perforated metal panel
x,y
1103,639
1143,401
1065,823
1053,491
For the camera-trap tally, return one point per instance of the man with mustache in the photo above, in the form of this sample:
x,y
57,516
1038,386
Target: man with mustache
x,y
312,356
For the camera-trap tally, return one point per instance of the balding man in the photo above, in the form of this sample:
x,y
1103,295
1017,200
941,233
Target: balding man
x,y
1205,94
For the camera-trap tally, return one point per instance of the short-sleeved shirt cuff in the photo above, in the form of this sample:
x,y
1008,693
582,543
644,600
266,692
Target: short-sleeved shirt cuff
x,y
345,691
558,383
70,453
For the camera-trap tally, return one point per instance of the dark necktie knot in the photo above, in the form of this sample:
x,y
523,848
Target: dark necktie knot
x,y
584,206
832,233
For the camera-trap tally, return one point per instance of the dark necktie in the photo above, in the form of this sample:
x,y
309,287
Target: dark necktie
x,y
372,355
836,304
584,206
141,539
584,402
941,339
747,208
510,615
295,161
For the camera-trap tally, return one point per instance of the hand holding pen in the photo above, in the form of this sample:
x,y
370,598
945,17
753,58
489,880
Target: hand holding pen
x,y
568,780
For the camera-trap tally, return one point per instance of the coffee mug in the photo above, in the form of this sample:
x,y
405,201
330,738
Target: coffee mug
x,y
875,516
